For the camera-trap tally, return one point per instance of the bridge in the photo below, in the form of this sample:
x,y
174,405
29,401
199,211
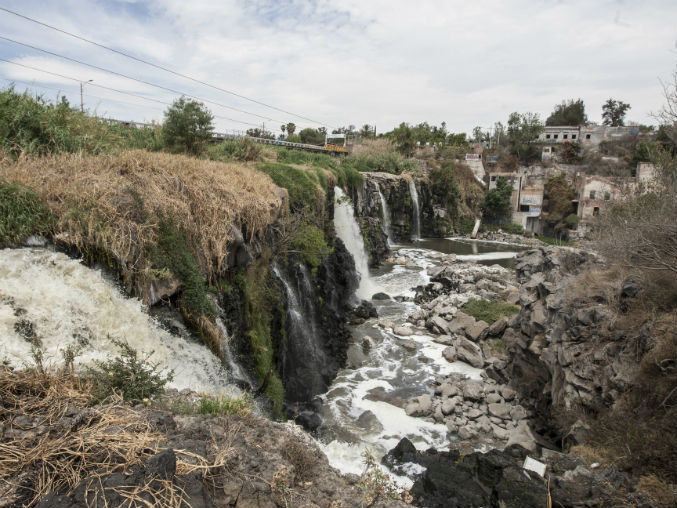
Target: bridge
x,y
327,148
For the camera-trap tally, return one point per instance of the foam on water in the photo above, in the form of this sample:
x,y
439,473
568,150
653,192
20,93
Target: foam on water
x,y
67,303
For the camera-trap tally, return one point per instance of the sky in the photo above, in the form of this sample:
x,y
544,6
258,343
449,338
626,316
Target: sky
x,y
376,62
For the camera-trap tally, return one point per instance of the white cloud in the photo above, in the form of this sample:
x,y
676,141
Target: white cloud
x,y
378,62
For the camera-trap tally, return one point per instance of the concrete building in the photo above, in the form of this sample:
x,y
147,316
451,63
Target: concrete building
x,y
553,136
595,193
527,198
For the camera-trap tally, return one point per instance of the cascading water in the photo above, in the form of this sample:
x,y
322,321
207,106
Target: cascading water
x,y
237,373
386,216
49,298
417,213
349,231
305,355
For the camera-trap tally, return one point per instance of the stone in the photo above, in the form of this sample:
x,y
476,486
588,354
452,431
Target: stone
x,y
494,398
476,331
419,406
161,465
449,354
466,433
507,393
473,414
448,406
473,390
501,410
409,345
499,432
460,322
380,296
439,325
522,436
449,390
518,413
497,327
468,352
404,331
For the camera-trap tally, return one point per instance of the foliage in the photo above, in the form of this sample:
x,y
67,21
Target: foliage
x,y
220,405
488,311
312,136
613,112
187,126
408,137
301,457
551,240
571,221
241,150
259,133
386,162
558,197
310,242
570,153
172,252
32,125
133,377
291,128
375,484
403,136
523,130
568,113
303,191
465,226
513,228
444,186
22,214
498,201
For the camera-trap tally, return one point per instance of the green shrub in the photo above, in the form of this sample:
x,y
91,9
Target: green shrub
x,y
310,242
128,375
571,221
241,150
219,405
173,253
465,226
303,191
390,162
187,126
513,228
487,311
22,214
550,240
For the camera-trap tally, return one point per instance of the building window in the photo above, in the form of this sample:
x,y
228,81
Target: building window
x,y
493,178
556,136
566,136
524,208
587,136
546,149
607,196
595,211
592,194
547,136
573,136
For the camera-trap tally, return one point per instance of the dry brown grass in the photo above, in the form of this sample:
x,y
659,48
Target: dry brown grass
x,y
660,492
114,202
374,147
52,442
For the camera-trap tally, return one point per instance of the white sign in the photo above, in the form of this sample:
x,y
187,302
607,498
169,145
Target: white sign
x,y
472,156
535,466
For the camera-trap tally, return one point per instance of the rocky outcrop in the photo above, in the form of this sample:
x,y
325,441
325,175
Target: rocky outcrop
x,y
498,479
564,352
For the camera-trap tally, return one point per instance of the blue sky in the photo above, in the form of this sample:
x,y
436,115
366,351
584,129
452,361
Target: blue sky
x,y
350,62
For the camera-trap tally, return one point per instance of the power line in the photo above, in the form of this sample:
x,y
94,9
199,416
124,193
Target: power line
x,y
135,79
115,90
161,67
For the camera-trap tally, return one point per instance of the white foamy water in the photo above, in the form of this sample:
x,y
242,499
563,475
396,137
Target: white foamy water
x,y
386,216
487,256
68,303
417,212
349,231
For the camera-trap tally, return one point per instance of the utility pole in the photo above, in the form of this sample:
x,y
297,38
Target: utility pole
x,y
82,102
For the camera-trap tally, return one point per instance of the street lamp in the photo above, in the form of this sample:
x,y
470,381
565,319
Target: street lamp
x,y
82,102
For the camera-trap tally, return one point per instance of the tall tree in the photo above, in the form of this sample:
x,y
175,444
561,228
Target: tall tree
x,y
498,201
291,128
311,136
568,113
187,126
366,131
523,130
613,112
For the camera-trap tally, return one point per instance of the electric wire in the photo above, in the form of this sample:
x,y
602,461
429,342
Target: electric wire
x,y
115,90
75,60
103,46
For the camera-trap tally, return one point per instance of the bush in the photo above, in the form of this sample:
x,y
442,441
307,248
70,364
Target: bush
x,y
465,226
571,221
303,191
220,405
489,312
22,214
384,162
187,126
241,150
513,228
310,242
551,240
128,375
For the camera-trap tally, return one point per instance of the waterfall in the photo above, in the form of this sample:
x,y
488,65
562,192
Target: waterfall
x,y
48,297
349,231
237,373
304,358
417,214
386,215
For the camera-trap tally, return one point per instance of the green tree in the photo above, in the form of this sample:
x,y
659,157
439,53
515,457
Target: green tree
x,y
366,131
523,130
444,187
403,136
311,136
613,112
568,113
291,128
187,126
558,200
570,153
478,134
498,201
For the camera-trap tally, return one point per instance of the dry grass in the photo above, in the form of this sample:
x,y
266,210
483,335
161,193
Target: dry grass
x,y
52,442
374,147
660,492
595,286
114,203
588,453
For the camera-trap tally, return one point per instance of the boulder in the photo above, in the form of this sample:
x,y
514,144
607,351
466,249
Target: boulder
x,y
404,331
448,406
494,398
380,296
522,435
500,410
468,352
449,353
497,327
460,322
518,413
473,390
507,393
439,325
477,330
419,406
